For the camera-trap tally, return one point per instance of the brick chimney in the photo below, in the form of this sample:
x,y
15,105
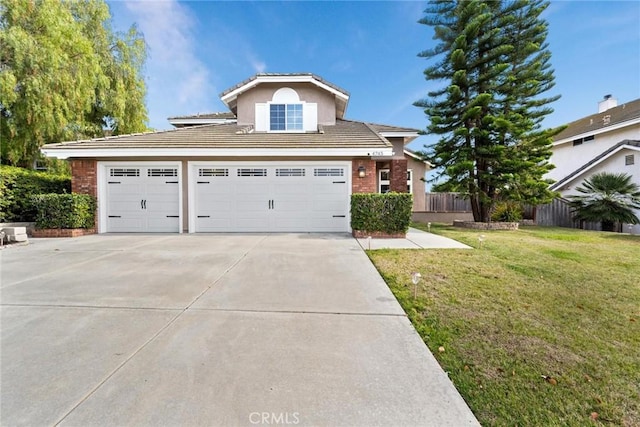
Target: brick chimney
x,y
607,103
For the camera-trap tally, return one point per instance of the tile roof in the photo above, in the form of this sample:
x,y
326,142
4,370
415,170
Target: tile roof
x,y
345,134
219,115
583,168
388,128
621,113
254,77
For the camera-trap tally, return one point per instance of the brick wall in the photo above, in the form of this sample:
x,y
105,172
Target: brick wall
x,y
366,184
63,232
84,176
398,175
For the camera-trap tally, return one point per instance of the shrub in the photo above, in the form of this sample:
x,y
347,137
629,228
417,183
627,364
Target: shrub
x,y
65,210
507,211
388,213
18,186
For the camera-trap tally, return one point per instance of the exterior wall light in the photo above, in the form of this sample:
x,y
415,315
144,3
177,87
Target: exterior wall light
x,y
361,171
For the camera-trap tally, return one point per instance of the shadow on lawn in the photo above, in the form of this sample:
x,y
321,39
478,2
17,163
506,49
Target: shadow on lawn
x,y
625,237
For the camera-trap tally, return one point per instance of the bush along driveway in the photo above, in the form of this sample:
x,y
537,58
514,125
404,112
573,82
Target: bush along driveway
x,y
535,327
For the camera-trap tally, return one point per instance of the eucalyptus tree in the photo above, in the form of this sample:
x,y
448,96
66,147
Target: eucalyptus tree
x,y
65,74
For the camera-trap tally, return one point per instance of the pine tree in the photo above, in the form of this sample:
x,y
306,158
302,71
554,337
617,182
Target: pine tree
x,y
496,63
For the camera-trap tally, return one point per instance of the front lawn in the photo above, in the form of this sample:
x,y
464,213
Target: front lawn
x,y
538,327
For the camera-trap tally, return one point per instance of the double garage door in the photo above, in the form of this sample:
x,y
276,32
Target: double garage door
x,y
229,197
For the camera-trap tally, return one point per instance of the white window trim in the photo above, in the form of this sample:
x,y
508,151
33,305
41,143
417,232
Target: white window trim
x,y
269,103
382,182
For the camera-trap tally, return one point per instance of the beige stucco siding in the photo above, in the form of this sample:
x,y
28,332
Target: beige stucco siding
x,y
398,147
246,110
419,170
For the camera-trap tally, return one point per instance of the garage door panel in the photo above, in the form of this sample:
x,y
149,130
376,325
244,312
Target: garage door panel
x,y
213,225
157,224
282,197
125,224
142,198
250,224
291,224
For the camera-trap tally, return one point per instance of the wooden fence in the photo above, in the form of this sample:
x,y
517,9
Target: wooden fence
x,y
446,202
558,213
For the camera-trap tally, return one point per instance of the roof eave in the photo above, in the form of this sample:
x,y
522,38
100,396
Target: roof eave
x,y
599,131
67,153
580,171
230,98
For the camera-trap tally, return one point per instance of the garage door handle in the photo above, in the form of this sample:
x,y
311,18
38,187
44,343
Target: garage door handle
x,y
171,182
115,216
204,216
339,216
203,182
113,182
339,182
173,216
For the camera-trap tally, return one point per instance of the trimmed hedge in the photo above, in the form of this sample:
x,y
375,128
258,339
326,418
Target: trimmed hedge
x,y
17,188
65,210
388,213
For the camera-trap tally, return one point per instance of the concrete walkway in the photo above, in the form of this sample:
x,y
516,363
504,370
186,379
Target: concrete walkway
x,y
416,239
211,330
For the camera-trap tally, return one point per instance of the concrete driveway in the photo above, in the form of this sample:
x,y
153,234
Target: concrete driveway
x,y
265,329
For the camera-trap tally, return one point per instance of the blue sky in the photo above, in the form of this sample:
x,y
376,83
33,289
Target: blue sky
x,y
198,49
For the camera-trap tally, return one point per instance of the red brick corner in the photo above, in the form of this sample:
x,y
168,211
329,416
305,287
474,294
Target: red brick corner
x,y
63,232
359,234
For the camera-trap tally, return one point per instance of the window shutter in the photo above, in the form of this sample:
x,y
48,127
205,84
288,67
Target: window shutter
x,y
310,117
262,118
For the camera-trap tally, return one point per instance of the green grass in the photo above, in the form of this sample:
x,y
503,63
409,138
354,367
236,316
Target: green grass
x,y
539,327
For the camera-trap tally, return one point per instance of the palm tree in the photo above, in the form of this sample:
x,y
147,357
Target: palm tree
x,y
609,198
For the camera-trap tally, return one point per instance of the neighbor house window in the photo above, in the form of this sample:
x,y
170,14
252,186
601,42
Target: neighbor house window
x,y
384,181
579,141
629,160
285,117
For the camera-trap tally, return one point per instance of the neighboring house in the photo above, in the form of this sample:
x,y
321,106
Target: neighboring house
x,y
283,159
608,141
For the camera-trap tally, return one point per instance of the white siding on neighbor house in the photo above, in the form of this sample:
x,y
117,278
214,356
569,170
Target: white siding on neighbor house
x,y
614,164
568,158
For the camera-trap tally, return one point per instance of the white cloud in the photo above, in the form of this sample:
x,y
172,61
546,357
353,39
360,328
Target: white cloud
x,y
258,65
179,82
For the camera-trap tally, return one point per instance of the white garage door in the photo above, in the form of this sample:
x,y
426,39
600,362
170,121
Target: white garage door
x,y
267,197
142,198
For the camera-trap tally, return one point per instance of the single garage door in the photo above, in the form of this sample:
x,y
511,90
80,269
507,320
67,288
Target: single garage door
x,y
142,198
270,197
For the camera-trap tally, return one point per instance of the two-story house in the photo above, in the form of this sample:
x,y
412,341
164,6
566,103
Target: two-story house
x,y
284,158
608,141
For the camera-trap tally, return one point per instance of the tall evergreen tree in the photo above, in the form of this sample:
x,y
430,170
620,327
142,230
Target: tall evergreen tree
x,y
495,60
65,74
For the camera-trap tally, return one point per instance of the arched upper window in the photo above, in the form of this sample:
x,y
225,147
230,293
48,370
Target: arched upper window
x,y
285,111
